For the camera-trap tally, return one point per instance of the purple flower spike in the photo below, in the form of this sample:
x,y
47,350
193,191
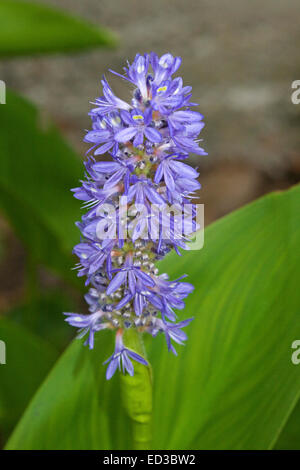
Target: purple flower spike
x,y
138,207
121,359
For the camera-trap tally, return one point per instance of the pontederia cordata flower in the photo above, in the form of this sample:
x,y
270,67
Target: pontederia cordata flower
x,y
135,204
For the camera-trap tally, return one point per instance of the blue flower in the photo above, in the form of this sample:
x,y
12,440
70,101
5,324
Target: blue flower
x,y
184,187
171,168
179,120
116,171
166,295
109,102
138,126
87,324
164,67
142,191
121,358
103,134
91,256
136,73
168,96
173,331
129,274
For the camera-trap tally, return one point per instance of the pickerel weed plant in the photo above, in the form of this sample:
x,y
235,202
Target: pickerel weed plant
x,y
139,208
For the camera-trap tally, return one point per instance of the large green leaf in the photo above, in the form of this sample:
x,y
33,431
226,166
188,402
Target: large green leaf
x,y
289,437
37,170
30,28
28,360
233,386
76,408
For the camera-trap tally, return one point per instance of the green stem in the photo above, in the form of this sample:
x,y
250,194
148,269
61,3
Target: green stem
x,y
137,394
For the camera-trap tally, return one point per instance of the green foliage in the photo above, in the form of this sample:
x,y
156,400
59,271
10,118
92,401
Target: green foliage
x,y
28,360
289,436
76,408
233,386
43,315
37,170
30,28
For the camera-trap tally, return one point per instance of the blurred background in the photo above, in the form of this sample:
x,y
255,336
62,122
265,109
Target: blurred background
x,y
240,57
240,60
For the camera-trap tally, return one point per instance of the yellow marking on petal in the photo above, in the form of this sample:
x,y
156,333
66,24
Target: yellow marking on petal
x,y
162,88
137,117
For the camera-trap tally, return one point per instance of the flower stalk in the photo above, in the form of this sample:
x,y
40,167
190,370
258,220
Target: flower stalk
x,y
137,395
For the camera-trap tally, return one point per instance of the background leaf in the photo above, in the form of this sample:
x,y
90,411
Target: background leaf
x,y
76,408
30,28
233,386
289,435
37,170
42,315
24,352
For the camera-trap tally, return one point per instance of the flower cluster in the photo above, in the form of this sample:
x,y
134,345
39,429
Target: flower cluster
x,y
135,204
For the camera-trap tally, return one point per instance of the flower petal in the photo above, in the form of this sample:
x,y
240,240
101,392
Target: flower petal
x,y
153,134
117,281
111,369
125,134
136,357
